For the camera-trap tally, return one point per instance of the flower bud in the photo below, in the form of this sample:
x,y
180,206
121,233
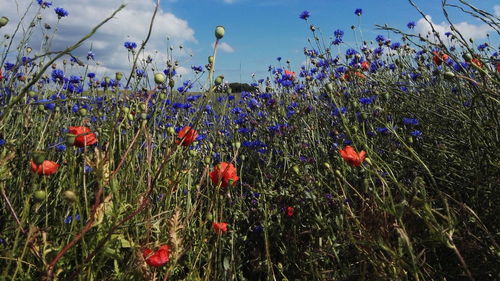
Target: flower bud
x,y
130,117
296,169
82,111
338,173
118,76
4,21
31,94
69,195
467,57
144,116
207,160
368,160
160,78
211,59
125,109
171,83
449,75
327,165
70,139
171,130
218,80
329,87
219,32
40,195
237,145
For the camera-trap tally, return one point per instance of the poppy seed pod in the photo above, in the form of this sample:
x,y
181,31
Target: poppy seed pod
x,y
118,76
5,20
160,78
40,195
219,79
210,59
219,32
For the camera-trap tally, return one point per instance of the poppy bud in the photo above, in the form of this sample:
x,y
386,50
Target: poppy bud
x,y
171,130
368,160
219,32
327,165
467,57
193,152
40,195
237,145
130,117
219,79
207,160
31,94
118,76
171,83
329,87
4,21
449,75
70,139
160,78
163,95
107,80
296,169
338,173
125,109
144,116
69,195
82,111
41,107
211,59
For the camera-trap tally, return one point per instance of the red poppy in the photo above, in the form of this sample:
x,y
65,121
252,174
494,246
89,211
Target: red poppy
x,y
157,258
477,62
186,136
83,136
290,74
439,58
351,156
224,174
1,77
365,65
46,168
289,211
219,227
498,67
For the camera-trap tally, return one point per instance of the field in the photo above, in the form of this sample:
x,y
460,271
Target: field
x,y
375,163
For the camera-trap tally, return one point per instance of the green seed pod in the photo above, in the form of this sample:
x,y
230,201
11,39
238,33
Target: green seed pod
x,y
327,165
211,59
329,87
210,217
449,75
467,57
171,83
338,173
57,109
4,21
162,96
219,32
143,107
82,112
107,79
229,90
218,80
40,195
237,145
70,139
31,94
296,169
125,109
368,160
207,160
118,76
130,117
144,116
160,78
69,195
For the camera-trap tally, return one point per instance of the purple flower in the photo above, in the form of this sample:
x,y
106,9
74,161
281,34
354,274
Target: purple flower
x,y
358,12
305,15
61,13
411,25
130,45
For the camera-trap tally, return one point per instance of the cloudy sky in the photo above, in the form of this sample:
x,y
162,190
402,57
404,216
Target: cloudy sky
x,y
257,31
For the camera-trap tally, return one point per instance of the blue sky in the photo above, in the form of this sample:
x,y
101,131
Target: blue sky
x,y
257,31
261,30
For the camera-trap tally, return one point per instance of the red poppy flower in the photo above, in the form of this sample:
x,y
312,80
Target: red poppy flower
x,y
46,168
289,211
439,58
365,65
290,74
1,77
186,136
157,258
224,174
83,136
219,227
477,62
351,156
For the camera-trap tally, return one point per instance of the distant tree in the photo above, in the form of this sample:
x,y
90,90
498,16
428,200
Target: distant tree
x,y
240,87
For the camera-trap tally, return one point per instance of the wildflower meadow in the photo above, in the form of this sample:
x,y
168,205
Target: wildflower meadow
x,y
378,160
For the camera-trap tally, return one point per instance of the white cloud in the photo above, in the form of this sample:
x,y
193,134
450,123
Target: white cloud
x,y
130,24
496,8
468,30
224,47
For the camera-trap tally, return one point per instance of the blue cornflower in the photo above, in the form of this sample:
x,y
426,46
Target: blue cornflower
x,y
411,25
57,75
61,13
338,33
367,100
44,4
305,15
87,169
68,220
416,133
448,34
380,38
2,142
482,47
130,45
91,75
358,12
351,52
278,58
337,41
382,130
90,55
395,45
196,68
410,121
60,147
